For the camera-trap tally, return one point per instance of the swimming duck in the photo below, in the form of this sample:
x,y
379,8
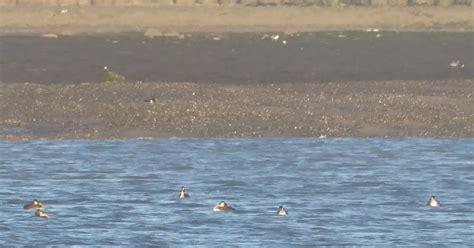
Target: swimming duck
x,y
40,214
35,204
433,202
222,206
183,194
282,211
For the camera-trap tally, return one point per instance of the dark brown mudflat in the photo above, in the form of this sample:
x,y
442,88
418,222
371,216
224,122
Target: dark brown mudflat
x,y
239,58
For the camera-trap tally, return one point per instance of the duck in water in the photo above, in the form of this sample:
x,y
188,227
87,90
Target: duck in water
x,y
35,204
433,202
282,211
222,206
182,193
40,214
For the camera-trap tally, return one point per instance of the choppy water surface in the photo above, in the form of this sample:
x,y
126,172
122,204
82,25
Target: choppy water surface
x,y
337,191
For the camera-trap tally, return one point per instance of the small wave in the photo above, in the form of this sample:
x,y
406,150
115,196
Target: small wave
x,y
176,168
228,183
364,184
461,221
144,177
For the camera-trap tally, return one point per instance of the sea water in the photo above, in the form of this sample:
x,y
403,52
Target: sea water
x,y
338,192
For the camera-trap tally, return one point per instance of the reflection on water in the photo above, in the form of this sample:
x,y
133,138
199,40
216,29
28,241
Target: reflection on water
x,y
337,192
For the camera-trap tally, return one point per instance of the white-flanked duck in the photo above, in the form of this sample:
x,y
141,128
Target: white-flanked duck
x,y
433,202
35,204
222,206
183,194
40,214
282,211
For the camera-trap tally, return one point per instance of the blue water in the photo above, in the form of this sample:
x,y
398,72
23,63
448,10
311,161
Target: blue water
x,y
370,192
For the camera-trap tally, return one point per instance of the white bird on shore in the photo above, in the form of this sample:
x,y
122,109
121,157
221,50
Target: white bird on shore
x,y
151,100
456,64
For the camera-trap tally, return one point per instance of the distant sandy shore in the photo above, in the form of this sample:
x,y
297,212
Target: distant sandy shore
x,y
74,20
431,101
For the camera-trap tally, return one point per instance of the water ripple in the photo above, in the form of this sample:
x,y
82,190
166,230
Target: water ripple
x,y
338,192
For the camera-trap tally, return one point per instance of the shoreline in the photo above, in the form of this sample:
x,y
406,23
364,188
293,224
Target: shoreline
x,y
102,20
251,87
97,111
